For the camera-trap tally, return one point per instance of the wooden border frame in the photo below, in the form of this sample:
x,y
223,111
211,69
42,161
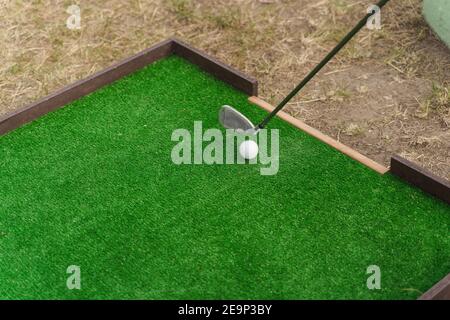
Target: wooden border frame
x,y
125,67
322,137
420,178
240,81
83,87
440,291
218,69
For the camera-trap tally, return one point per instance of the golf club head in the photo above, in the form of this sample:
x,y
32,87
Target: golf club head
x,y
230,118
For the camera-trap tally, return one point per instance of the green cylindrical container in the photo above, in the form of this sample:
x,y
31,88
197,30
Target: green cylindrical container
x,y
437,13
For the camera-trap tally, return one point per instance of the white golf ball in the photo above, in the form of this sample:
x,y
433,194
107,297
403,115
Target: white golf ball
x,y
248,149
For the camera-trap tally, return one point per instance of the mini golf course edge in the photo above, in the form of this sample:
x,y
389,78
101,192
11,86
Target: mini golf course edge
x,y
402,168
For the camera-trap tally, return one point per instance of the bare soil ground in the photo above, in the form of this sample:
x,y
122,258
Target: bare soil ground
x,y
387,92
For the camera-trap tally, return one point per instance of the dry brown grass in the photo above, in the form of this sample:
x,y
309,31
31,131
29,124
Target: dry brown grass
x,y
387,92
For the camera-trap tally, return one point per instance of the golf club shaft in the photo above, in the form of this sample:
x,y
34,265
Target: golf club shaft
x,y
330,55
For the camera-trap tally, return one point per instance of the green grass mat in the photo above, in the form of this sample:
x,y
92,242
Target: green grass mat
x,y
93,185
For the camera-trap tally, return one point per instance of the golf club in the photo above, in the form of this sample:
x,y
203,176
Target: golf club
x,y
230,118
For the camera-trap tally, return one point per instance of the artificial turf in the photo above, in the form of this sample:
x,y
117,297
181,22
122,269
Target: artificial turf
x,y
93,185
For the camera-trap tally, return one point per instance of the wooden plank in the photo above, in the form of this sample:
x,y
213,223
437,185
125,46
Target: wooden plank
x,y
322,137
440,291
420,178
83,87
218,69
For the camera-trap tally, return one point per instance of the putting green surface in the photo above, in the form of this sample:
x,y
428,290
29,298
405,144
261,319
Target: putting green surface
x,y
93,185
